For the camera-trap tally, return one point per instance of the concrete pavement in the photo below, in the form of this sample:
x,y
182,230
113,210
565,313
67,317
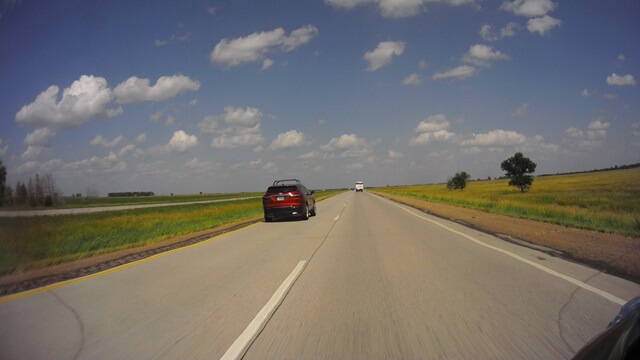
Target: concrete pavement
x,y
380,280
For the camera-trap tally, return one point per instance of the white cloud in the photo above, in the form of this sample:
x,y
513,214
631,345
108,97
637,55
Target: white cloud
x,y
86,98
252,48
181,142
433,128
126,149
170,121
100,141
33,152
636,128
135,89
3,150
234,141
542,25
27,167
350,144
113,112
458,73
413,79
383,54
496,137
141,139
425,138
422,64
395,155
590,138
270,167
95,165
621,57
598,125
585,93
509,30
529,8
243,127
610,96
488,33
482,55
521,110
266,64
625,80
433,123
396,8
288,140
39,137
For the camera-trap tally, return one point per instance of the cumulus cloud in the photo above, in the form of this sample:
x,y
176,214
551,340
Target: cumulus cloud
x,y
625,80
396,8
86,98
242,127
433,128
488,33
349,144
383,54
636,128
394,155
135,89
3,149
585,93
590,138
496,137
529,8
34,152
433,123
39,137
543,24
482,55
239,140
181,141
266,64
253,48
100,141
141,139
202,166
458,73
288,140
413,79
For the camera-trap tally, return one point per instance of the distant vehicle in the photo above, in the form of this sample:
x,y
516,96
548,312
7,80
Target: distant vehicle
x,y
359,186
288,198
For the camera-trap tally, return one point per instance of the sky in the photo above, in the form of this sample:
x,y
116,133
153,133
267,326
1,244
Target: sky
x,y
227,96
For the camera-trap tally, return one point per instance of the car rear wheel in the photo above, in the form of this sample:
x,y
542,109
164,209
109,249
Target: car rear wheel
x,y
306,213
313,212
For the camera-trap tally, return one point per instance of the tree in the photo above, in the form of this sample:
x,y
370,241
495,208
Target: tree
x,y
22,194
3,182
458,181
517,168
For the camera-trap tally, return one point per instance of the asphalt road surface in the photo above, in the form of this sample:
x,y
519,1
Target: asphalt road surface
x,y
365,279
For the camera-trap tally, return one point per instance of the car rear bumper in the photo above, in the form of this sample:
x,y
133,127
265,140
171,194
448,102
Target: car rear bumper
x,y
282,212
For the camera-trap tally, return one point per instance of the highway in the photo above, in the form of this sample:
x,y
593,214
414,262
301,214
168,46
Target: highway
x,y
364,279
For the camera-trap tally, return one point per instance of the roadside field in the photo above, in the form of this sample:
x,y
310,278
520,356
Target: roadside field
x,y
602,201
33,242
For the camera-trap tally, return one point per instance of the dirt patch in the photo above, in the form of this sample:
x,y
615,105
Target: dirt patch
x,y
615,254
18,282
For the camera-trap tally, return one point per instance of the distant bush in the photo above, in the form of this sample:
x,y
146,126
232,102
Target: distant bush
x,y
458,181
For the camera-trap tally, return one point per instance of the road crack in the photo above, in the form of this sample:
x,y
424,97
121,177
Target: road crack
x,y
562,309
78,319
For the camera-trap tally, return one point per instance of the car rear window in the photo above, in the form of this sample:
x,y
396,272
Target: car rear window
x,y
280,189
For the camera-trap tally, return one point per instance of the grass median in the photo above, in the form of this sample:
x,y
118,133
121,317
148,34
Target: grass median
x,y
601,201
34,242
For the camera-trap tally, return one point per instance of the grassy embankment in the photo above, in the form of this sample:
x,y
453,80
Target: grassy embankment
x,y
71,202
32,242
602,201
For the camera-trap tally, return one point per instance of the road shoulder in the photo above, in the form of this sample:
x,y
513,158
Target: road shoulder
x,y
614,254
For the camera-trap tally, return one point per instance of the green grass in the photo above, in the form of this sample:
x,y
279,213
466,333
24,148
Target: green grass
x,y
71,202
31,242
603,201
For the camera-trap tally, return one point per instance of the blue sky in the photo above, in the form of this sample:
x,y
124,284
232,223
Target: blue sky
x,y
226,96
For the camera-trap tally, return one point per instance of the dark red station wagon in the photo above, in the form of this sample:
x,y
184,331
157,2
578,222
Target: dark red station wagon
x,y
288,198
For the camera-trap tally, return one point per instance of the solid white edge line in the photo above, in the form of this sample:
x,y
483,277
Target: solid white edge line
x,y
579,283
336,218
238,348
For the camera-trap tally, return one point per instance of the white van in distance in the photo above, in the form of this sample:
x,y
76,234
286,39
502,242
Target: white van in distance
x,y
359,186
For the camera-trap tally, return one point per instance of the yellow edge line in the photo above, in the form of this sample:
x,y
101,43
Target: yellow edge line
x,y
112,270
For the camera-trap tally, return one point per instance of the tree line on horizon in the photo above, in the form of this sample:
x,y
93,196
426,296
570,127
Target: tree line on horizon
x,y
37,191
